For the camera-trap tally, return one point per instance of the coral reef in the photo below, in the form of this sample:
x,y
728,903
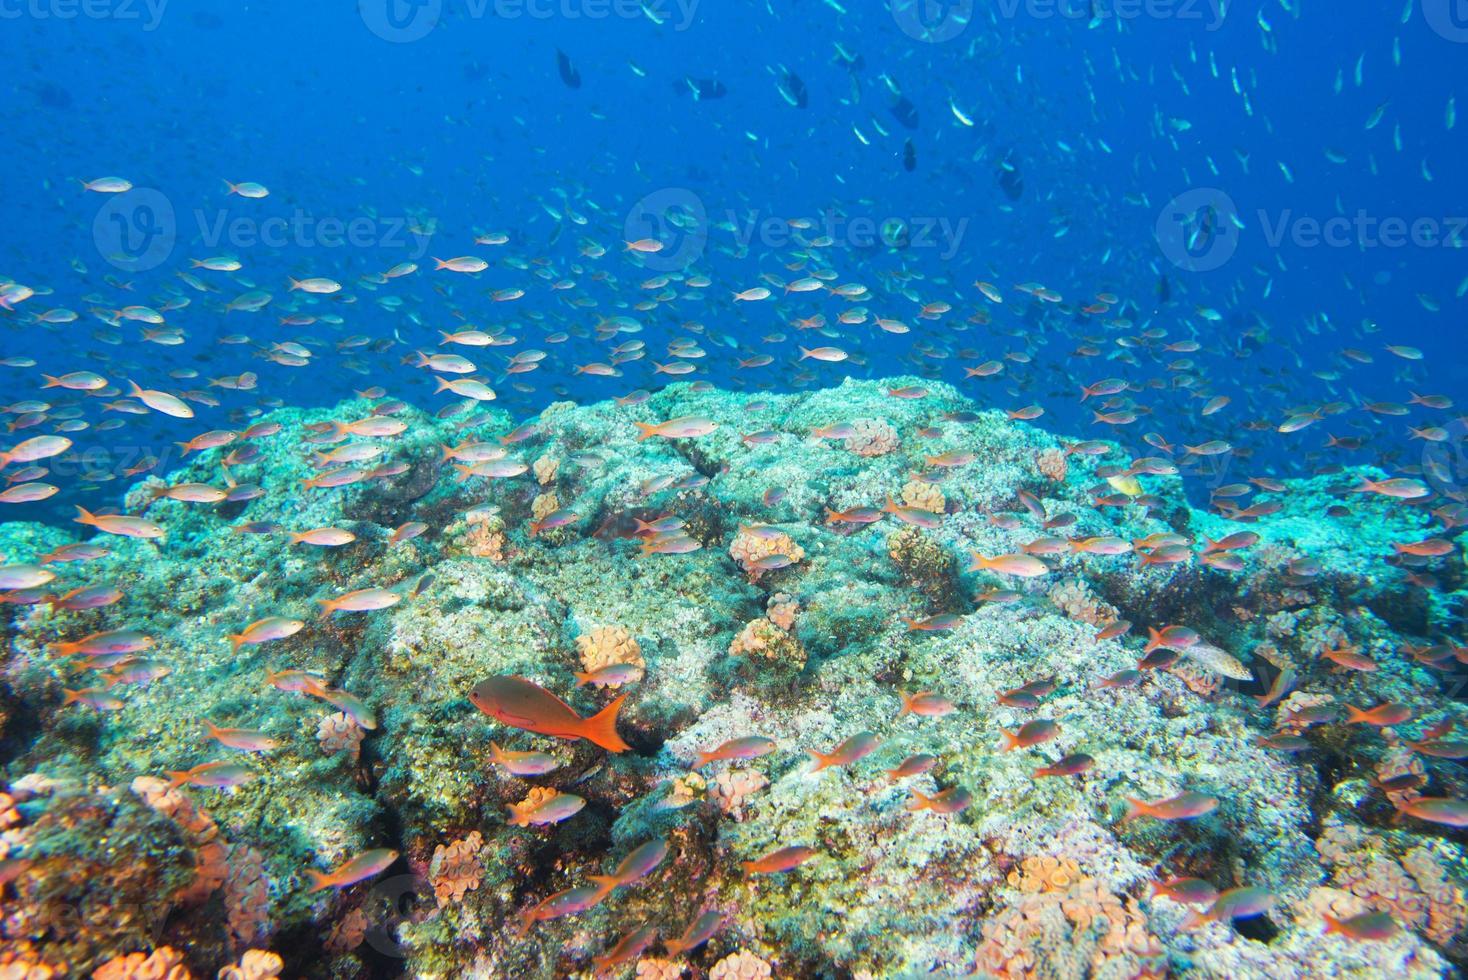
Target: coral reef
x,y
933,849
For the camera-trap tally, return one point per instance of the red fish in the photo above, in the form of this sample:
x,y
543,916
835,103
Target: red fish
x,y
524,704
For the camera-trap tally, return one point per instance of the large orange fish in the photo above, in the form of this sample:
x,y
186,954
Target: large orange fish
x,y
524,704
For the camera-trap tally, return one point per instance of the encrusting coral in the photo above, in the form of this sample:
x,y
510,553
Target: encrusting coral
x,y
606,646
762,617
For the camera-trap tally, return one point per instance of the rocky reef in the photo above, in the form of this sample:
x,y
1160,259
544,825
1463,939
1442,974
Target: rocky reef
x,y
791,608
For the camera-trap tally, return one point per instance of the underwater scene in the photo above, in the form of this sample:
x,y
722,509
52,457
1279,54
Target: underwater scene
x,y
733,489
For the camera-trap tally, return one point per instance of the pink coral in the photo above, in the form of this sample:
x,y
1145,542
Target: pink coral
x,y
455,869
1052,464
782,609
1083,930
339,733
873,437
211,865
164,963
742,965
732,788
247,895
604,646
924,496
1416,890
754,543
348,932
256,964
760,637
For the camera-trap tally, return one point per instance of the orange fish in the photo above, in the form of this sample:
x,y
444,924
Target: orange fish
x,y
778,862
359,868
523,704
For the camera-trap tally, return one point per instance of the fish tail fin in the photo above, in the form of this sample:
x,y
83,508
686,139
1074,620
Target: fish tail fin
x,y
443,384
703,759
646,430
176,777
318,880
601,728
582,679
919,802
1355,716
805,352
1332,924
84,516
51,382
515,818
822,761
236,640
328,606
1134,808
1194,920
1009,740
604,885
72,697
907,703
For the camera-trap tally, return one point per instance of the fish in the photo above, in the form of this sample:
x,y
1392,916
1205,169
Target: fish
x,y
780,861
697,932
1235,903
542,812
368,864
1367,926
849,752
640,862
748,747
955,799
1184,806
523,704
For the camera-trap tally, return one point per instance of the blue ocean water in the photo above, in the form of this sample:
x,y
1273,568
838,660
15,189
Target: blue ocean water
x,y
1085,148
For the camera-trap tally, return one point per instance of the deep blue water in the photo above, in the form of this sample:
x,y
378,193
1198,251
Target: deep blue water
x,y
349,116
